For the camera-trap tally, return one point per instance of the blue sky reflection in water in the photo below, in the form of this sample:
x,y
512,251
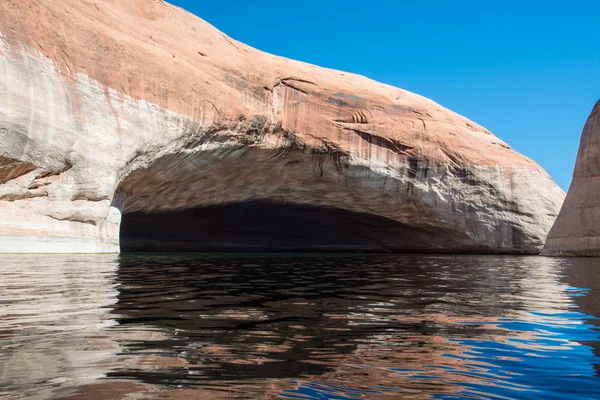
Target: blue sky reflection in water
x,y
299,326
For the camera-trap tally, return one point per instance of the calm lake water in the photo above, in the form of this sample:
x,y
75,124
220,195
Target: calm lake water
x,y
298,327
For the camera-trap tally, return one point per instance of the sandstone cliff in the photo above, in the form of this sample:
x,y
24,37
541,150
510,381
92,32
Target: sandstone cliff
x,y
576,231
111,108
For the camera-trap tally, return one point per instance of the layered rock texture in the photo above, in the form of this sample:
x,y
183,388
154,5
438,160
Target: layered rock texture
x,y
576,231
137,113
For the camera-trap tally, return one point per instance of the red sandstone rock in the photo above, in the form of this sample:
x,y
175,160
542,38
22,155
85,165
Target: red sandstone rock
x,y
576,231
117,106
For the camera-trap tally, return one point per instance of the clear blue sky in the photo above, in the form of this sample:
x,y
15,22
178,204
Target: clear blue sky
x,y
527,70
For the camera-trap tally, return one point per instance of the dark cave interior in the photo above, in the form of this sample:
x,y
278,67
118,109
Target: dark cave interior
x,y
262,226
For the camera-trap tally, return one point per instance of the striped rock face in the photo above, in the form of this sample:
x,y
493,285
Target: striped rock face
x,y
576,231
137,121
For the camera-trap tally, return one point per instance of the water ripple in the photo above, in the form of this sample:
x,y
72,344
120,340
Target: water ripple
x,y
298,326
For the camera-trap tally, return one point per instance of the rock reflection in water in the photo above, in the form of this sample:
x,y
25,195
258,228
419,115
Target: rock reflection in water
x,y
55,312
296,326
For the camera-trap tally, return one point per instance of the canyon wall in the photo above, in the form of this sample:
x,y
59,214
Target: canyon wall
x,y
111,108
576,231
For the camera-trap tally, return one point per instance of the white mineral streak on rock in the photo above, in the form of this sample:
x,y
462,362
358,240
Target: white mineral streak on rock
x,y
79,145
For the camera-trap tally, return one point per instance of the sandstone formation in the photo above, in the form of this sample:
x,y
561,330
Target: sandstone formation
x,y
576,231
115,111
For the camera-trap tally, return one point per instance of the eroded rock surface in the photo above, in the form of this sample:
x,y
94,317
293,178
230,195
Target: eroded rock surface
x,y
113,107
576,231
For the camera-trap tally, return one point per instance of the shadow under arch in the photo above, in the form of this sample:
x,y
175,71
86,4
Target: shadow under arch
x,y
253,200
266,226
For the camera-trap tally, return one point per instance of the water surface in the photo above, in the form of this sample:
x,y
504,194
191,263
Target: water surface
x,y
298,326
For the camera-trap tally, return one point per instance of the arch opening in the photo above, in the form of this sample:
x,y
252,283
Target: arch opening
x,y
250,199
265,226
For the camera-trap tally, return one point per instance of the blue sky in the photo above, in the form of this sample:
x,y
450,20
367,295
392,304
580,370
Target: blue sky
x,y
527,70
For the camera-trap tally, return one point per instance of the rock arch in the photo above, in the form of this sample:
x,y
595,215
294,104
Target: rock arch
x,y
168,115
252,198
